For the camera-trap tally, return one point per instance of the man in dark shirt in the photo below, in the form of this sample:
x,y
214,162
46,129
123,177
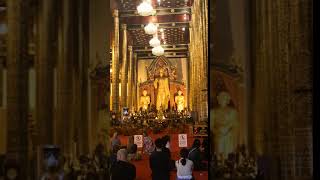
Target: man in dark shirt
x,y
159,163
122,169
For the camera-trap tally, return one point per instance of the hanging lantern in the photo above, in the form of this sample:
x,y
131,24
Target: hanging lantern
x,y
154,42
151,29
145,9
158,51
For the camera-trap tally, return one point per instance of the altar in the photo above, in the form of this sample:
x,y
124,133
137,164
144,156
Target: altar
x,y
161,68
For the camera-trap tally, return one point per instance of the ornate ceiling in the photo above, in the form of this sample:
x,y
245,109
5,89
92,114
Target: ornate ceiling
x,y
132,4
172,36
173,17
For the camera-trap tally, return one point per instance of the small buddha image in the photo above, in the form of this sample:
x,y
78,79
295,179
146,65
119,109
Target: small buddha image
x,y
225,125
144,100
179,100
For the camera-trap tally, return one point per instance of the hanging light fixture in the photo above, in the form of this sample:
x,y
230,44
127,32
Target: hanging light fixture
x,y
158,51
145,8
151,29
154,42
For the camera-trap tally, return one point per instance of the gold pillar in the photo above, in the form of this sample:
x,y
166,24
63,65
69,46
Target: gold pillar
x,y
115,64
124,72
191,87
130,78
17,84
198,60
44,72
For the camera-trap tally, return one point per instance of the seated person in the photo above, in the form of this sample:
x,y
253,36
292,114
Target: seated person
x,y
184,166
132,149
122,169
195,155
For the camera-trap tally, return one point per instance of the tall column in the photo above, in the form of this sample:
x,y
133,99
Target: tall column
x,y
44,72
64,79
17,84
124,72
135,81
190,67
83,131
115,64
130,78
1,81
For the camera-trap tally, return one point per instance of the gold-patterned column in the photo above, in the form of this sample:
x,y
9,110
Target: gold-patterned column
x,y
130,78
204,15
115,64
44,72
199,57
17,84
191,73
124,68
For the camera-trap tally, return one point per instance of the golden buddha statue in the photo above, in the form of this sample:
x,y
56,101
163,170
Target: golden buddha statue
x,y
144,100
179,100
224,125
163,95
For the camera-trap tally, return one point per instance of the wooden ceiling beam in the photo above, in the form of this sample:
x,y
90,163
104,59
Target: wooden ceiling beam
x,y
165,25
159,12
166,48
167,56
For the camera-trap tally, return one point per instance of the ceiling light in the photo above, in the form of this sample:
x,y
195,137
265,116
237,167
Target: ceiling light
x,y
183,29
161,30
154,42
145,8
151,29
158,51
185,17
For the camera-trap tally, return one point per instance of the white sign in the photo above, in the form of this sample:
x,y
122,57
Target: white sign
x,y
138,140
183,140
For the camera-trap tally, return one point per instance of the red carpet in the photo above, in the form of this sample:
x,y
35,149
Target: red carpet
x,y
142,166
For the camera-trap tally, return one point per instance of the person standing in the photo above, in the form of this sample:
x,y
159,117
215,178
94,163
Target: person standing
x,y
159,163
148,145
115,141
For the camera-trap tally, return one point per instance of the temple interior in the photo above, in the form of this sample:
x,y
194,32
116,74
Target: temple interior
x,y
81,80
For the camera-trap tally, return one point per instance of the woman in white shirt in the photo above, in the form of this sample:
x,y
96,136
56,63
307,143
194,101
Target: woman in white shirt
x,y
184,166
